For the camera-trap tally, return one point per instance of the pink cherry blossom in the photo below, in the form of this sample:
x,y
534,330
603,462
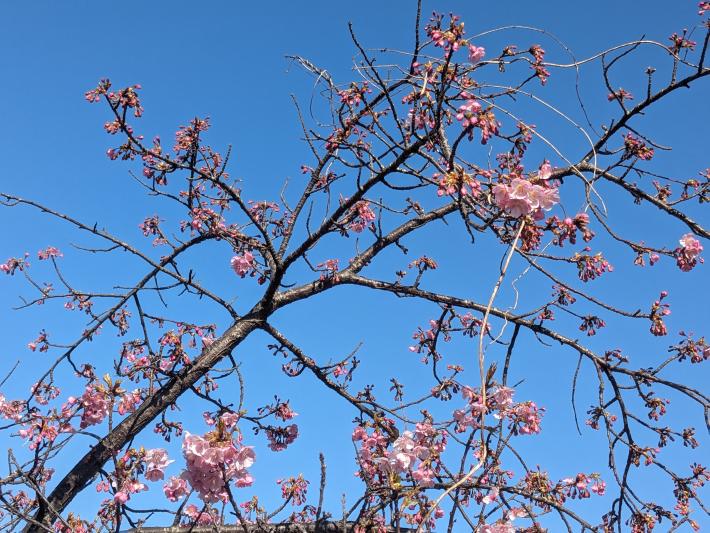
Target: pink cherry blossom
x,y
200,518
295,488
329,270
599,487
281,437
521,197
475,53
242,263
688,254
129,402
229,419
96,405
15,263
620,95
468,113
156,460
175,489
637,148
545,171
48,252
214,461
526,418
413,453
363,216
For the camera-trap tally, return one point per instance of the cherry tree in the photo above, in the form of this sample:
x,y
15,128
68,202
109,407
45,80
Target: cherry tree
x,y
420,148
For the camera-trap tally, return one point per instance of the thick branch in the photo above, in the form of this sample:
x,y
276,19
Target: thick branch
x,y
86,469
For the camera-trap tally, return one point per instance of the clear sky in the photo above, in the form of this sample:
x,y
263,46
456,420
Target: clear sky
x,y
226,60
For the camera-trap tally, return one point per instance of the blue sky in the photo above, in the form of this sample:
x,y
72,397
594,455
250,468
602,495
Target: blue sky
x,y
226,60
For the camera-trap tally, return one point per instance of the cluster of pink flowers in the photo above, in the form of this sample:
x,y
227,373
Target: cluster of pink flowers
x,y
156,461
243,263
353,95
113,127
413,454
120,320
79,301
524,417
125,98
695,350
471,116
488,124
94,95
40,430
155,165
124,481
262,211
579,486
229,419
72,524
151,226
620,95
49,251
679,42
41,341
634,147
538,65
566,229
426,337
590,324
421,118
470,326
205,220
363,216
340,370
175,488
131,486
15,263
214,461
703,7
521,197
334,140
329,270
688,253
457,181
130,401
450,39
281,438
659,309
96,404
475,53
44,392
498,399
199,517
656,406
284,412
591,266
12,410
187,136
413,518
468,113
295,488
